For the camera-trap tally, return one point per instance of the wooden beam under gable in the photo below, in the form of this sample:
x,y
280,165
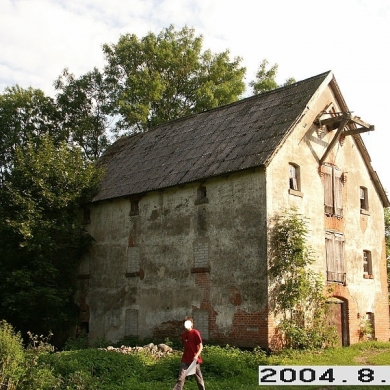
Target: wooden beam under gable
x,y
340,121
334,121
358,121
334,140
359,130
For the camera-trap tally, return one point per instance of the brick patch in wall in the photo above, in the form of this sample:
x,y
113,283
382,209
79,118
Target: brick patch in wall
x,y
247,329
334,223
171,329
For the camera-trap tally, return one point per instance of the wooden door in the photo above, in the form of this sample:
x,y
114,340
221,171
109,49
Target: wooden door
x,y
337,317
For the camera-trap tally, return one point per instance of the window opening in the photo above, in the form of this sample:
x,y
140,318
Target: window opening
x,y
363,198
294,181
134,207
367,263
201,195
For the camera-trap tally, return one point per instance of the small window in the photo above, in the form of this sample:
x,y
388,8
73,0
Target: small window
x,y
294,182
201,196
367,264
363,198
134,207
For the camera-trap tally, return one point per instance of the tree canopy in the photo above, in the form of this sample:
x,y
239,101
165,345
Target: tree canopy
x,y
25,114
82,103
265,79
41,237
45,176
162,77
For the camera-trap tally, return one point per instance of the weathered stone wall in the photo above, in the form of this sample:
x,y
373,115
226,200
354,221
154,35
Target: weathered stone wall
x,y
182,255
361,230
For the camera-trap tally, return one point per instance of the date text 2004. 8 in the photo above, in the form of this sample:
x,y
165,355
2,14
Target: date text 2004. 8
x,y
324,375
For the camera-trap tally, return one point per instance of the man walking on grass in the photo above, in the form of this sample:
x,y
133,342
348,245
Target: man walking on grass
x,y
192,342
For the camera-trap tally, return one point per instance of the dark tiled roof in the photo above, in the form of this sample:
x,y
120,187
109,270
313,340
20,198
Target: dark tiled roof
x,y
230,138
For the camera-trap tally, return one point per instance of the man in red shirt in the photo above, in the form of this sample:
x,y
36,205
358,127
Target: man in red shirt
x,y
192,342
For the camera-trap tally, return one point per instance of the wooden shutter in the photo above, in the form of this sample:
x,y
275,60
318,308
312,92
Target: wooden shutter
x,y
335,265
330,263
338,192
339,258
328,189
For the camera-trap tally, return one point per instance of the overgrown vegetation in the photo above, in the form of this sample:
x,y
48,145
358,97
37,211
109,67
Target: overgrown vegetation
x,y
298,294
20,367
39,367
42,238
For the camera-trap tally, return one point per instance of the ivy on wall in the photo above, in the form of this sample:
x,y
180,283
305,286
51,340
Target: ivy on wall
x,y
298,293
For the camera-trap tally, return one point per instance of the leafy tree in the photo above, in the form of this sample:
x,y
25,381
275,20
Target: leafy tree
x,y
162,77
298,293
83,104
25,114
41,238
265,79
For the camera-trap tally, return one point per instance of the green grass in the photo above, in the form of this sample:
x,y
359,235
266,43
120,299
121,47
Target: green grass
x,y
223,368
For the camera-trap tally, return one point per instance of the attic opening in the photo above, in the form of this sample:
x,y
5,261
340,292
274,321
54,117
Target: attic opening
x,y
134,207
201,195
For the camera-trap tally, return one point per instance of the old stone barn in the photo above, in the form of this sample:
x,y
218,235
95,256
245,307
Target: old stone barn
x,y
180,222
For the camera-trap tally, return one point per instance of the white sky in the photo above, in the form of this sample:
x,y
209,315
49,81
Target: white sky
x,y
39,38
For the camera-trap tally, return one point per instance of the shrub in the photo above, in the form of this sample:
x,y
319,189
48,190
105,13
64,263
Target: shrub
x,y
11,357
76,343
227,362
38,375
92,368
